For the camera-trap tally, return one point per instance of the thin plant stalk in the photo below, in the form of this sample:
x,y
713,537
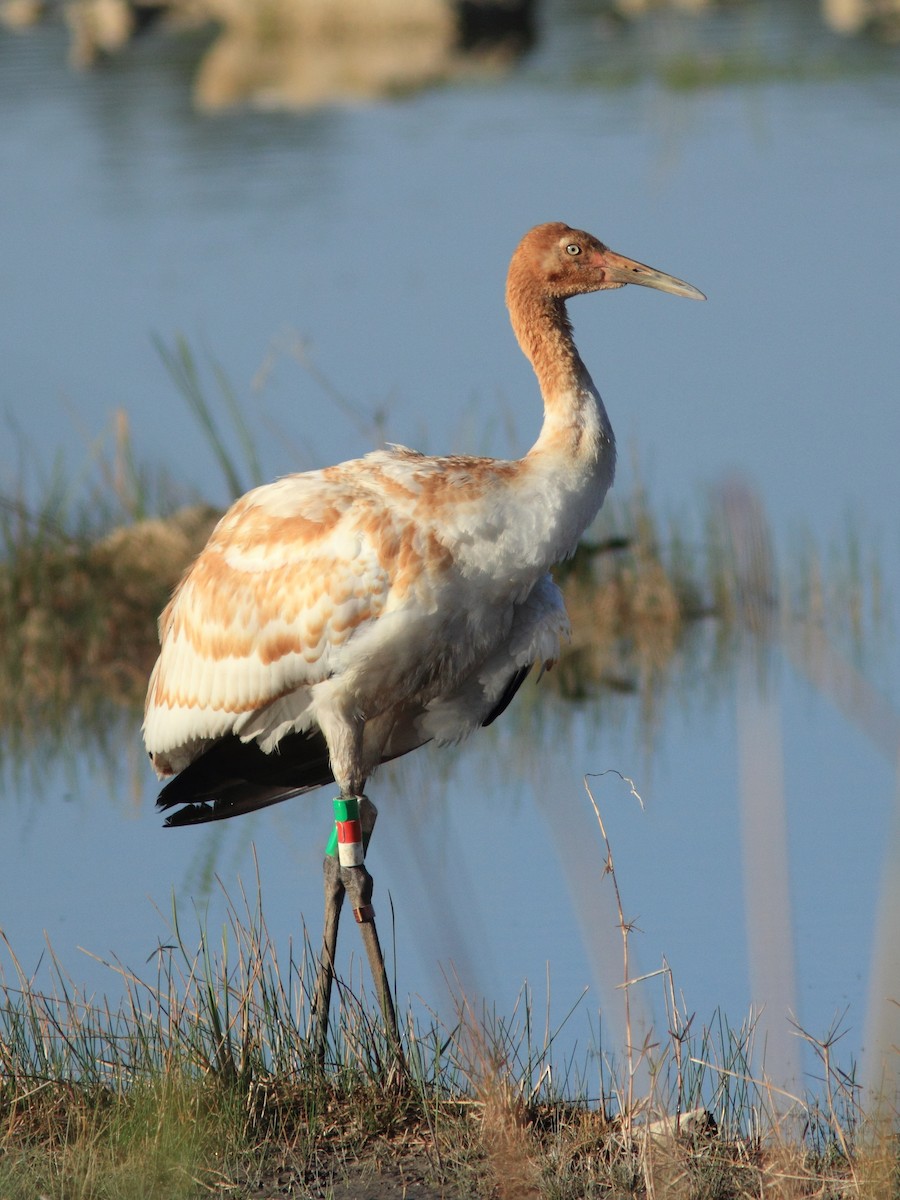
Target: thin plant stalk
x,y
625,928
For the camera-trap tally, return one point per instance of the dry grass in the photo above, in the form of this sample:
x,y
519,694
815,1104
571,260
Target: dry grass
x,y
78,616
202,1082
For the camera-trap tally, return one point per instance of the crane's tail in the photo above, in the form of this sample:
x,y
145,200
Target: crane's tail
x,y
234,777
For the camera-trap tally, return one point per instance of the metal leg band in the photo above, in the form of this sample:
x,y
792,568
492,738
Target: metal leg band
x,y
364,915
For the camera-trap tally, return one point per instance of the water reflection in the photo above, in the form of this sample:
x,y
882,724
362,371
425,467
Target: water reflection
x,y
298,56
880,18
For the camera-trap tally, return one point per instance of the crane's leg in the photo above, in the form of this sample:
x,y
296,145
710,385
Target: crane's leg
x,y
334,899
345,874
358,884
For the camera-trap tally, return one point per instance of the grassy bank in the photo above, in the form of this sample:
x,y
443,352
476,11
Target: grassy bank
x,y
201,1082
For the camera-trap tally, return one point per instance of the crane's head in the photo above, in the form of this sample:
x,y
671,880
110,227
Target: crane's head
x,y
566,262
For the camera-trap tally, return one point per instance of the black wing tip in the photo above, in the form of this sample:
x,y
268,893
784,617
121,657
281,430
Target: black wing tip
x,y
171,795
191,814
233,777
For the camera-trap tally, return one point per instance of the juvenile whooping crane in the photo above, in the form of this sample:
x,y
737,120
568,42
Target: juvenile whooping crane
x,y
340,618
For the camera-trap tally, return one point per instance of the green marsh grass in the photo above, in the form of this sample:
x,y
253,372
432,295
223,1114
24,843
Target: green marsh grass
x,y
181,364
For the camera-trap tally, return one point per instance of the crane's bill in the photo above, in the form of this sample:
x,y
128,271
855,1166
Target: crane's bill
x,y
620,269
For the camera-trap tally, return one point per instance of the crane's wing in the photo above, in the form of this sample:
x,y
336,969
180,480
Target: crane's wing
x,y
539,623
264,613
233,776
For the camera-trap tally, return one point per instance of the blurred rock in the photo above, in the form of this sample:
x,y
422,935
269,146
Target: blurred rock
x,y
20,14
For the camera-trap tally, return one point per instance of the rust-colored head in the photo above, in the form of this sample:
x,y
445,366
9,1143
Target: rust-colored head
x,y
565,262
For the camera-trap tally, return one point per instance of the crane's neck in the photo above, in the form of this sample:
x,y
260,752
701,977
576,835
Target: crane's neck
x,y
575,422
571,465
544,332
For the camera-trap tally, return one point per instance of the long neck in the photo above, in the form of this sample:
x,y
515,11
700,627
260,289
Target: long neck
x,y
575,426
571,465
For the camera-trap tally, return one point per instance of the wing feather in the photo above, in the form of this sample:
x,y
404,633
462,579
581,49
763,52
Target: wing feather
x,y
262,613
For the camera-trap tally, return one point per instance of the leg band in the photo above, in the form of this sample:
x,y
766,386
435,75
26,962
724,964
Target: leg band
x,y
346,841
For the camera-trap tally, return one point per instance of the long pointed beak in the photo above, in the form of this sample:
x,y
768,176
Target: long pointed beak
x,y
619,270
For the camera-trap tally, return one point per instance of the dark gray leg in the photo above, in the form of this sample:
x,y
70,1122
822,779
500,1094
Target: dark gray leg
x,y
334,898
358,883
355,882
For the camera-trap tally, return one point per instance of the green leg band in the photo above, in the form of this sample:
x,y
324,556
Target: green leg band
x,y
346,808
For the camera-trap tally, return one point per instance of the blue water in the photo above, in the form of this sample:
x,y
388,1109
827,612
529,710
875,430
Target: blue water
x,y
377,236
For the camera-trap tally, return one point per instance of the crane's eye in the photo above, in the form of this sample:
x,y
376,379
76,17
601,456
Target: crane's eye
x,y
573,249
